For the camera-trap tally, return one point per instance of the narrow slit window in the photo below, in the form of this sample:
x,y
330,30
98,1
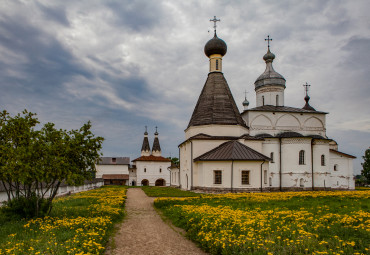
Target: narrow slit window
x,y
301,157
263,100
277,100
323,160
272,157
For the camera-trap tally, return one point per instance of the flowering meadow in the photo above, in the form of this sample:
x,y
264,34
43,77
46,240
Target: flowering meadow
x,y
318,222
79,224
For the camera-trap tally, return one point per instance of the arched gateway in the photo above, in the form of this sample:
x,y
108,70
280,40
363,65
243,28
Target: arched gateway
x,y
160,182
145,182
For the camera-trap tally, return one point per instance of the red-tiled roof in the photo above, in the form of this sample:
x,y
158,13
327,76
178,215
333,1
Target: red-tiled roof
x,y
342,153
152,158
115,176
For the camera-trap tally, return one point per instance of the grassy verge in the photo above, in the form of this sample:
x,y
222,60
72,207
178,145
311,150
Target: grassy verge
x,y
79,224
275,223
152,191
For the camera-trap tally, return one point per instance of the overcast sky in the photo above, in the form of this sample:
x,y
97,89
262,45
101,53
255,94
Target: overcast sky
x,y
127,64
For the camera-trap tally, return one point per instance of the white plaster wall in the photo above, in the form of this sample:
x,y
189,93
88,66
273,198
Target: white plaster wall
x,y
185,165
152,172
63,190
291,171
111,169
343,177
273,145
321,173
253,144
270,96
216,130
132,177
175,172
205,173
276,122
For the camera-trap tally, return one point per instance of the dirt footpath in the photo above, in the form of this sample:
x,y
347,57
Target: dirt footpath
x,y
144,232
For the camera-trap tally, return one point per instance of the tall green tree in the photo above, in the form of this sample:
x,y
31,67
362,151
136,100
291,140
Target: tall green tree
x,y
34,163
366,165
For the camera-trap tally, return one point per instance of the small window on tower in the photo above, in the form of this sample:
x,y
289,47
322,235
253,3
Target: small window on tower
x,y
114,160
277,100
216,64
144,170
272,157
160,170
323,160
263,100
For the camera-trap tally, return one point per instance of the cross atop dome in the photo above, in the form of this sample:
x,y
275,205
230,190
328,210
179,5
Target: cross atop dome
x,y
214,20
268,41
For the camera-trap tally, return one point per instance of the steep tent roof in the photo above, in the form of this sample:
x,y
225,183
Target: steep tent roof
x,y
145,146
156,146
216,104
232,150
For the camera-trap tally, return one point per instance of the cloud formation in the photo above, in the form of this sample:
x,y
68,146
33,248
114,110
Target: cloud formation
x,y
127,64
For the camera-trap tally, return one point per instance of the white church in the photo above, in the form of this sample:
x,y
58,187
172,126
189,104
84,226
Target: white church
x,y
150,169
269,147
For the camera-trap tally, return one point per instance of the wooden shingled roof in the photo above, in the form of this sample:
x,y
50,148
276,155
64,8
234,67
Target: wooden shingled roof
x,y
232,150
216,104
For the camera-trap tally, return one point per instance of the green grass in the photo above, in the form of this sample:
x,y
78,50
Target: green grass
x,y
152,191
277,223
79,224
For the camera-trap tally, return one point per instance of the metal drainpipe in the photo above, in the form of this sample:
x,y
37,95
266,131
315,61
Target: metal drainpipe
x,y
191,178
232,175
313,185
280,163
261,175
179,169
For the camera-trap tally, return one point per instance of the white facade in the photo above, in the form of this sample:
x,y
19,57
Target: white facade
x,y
153,172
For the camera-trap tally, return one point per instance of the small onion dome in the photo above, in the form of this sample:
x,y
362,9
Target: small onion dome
x,y
215,46
156,133
245,102
145,133
269,56
307,105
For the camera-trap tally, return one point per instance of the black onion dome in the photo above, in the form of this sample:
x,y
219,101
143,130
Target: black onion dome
x,y
215,46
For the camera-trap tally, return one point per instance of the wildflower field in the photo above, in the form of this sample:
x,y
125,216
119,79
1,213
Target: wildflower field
x,y
79,224
275,223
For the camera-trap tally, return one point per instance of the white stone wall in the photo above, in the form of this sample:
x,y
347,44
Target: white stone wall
x,y
132,177
64,190
111,169
277,122
152,172
342,178
175,177
216,130
204,175
269,94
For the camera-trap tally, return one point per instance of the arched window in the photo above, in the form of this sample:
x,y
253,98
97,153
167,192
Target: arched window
x,y
263,100
160,170
277,100
216,64
272,157
335,167
301,183
301,157
323,160
144,170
